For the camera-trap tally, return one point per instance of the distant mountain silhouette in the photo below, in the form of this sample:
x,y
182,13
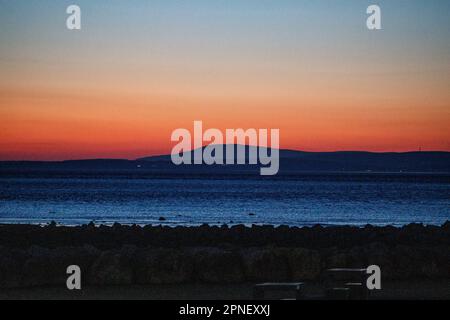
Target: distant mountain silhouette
x,y
290,161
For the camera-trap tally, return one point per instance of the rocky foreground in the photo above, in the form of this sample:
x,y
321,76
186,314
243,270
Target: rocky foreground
x,y
123,255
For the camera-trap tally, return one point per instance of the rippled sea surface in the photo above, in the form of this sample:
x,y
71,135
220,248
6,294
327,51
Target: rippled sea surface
x,y
301,199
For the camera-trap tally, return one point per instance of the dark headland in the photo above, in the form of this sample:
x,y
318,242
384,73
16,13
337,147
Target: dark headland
x,y
291,161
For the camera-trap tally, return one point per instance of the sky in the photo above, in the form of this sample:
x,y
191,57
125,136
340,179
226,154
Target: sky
x,y
137,70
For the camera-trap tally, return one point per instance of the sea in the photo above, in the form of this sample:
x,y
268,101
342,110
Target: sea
x,y
300,199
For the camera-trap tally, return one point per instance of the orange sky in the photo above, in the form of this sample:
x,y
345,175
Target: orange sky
x,y
95,94
56,124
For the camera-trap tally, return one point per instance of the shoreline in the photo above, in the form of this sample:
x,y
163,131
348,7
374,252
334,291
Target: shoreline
x,y
317,236
166,223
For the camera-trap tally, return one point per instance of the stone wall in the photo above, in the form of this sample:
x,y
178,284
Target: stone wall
x,y
120,255
38,266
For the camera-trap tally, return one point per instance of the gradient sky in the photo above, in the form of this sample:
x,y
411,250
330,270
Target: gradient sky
x,y
140,69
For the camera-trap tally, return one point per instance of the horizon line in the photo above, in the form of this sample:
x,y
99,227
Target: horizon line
x,y
246,145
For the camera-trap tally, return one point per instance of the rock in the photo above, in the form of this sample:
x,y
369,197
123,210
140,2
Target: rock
x,y
337,260
304,264
11,263
48,266
268,264
38,256
163,266
218,266
446,228
112,268
39,268
381,255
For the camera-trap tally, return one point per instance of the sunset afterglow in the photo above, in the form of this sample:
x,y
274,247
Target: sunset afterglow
x,y
134,73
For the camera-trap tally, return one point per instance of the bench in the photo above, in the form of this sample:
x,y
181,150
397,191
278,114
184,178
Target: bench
x,y
354,280
260,290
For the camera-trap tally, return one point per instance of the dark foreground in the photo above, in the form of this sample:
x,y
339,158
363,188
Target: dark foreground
x,y
391,290
217,262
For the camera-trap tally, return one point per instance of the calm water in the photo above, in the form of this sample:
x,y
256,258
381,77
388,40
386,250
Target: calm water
x,y
355,199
